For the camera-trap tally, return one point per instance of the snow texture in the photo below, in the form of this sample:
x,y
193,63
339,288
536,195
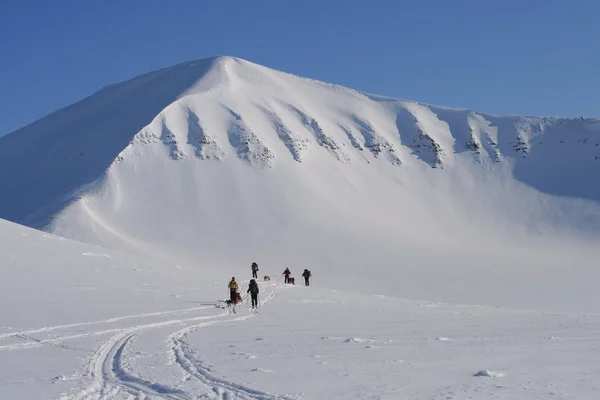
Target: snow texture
x,y
454,253
123,327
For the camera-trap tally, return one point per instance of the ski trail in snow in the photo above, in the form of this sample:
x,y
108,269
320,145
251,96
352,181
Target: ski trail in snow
x,y
111,375
115,372
33,342
186,358
108,374
50,343
103,321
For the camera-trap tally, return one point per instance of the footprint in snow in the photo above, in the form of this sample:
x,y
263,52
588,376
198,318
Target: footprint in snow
x,y
88,254
58,378
489,374
357,340
63,378
259,338
261,370
443,339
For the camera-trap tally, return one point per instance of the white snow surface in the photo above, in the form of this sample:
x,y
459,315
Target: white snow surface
x,y
82,322
454,253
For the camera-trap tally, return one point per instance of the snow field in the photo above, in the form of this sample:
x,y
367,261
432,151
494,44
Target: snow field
x,y
159,334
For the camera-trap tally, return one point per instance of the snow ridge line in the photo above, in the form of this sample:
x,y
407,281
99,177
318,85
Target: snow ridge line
x,y
185,357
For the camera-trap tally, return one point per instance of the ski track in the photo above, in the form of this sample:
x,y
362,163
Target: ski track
x,y
104,321
111,377
186,358
33,342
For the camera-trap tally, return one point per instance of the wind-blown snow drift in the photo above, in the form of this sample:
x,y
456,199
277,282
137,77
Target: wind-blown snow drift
x,y
227,162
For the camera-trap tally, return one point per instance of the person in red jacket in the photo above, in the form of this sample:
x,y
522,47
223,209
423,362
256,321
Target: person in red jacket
x,y
287,274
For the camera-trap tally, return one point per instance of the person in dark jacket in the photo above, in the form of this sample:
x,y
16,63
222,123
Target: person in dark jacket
x,y
255,270
306,274
253,290
287,274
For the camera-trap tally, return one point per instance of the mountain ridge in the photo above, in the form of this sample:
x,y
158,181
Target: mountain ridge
x,y
220,162
222,107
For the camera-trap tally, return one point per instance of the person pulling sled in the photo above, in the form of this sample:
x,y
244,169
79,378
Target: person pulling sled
x,y
233,287
287,274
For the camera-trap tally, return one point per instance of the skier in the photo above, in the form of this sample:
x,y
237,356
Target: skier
x,y
306,274
255,270
287,274
233,287
253,290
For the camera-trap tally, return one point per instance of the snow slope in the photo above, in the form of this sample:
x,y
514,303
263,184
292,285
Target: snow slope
x,y
227,162
225,108
92,323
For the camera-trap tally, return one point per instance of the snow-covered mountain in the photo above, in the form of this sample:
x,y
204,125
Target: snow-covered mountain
x,y
400,209
224,161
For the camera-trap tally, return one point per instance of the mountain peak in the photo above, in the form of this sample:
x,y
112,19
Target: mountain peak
x,y
230,110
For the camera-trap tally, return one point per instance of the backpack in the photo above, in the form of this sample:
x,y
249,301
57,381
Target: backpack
x,y
253,287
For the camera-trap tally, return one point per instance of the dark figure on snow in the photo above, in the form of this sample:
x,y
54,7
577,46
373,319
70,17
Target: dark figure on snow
x,y
255,270
233,287
287,274
253,290
306,274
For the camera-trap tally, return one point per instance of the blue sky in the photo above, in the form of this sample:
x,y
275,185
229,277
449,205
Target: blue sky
x,y
538,57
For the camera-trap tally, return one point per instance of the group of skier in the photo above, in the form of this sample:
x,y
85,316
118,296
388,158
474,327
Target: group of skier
x,y
253,285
